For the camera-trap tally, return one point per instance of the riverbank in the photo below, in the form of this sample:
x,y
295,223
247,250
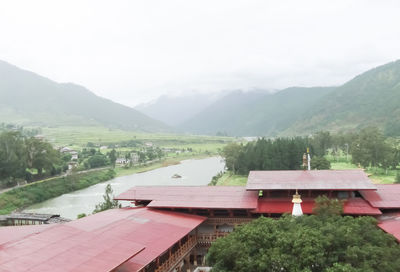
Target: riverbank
x,y
229,179
196,172
24,196
122,171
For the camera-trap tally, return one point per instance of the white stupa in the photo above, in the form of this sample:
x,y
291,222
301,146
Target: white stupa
x,y
297,211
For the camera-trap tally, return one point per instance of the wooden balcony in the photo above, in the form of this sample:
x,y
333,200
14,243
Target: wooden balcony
x,y
206,240
178,255
228,220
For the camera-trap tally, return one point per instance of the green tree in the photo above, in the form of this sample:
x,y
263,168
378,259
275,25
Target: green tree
x,y
231,154
321,141
112,155
397,177
325,206
320,163
41,155
370,149
97,160
12,157
307,243
108,203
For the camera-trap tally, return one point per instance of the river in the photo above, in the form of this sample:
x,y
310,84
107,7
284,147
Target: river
x,y
193,172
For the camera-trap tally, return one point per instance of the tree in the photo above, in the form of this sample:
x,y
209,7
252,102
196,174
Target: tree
x,y
321,141
41,155
320,163
231,154
12,157
325,206
98,160
113,157
397,177
369,148
307,243
108,203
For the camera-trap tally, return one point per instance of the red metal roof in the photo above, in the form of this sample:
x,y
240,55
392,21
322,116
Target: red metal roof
x,y
99,242
309,180
211,197
387,196
390,224
356,206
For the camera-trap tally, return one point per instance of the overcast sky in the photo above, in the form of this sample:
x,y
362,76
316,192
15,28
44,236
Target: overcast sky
x,y
134,51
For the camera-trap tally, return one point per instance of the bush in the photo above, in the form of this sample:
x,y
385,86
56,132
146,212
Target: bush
x,y
306,243
320,163
397,177
36,192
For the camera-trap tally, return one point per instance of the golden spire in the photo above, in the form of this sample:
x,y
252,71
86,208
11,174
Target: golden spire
x,y
297,210
297,198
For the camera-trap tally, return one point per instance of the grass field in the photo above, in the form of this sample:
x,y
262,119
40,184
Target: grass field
x,y
229,179
377,175
78,137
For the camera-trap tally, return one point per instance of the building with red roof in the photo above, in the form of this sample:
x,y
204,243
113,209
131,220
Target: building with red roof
x,y
171,228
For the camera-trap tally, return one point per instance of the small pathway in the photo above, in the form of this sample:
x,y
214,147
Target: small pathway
x,y
53,177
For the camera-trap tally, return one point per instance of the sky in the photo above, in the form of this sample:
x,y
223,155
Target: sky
x,y
133,51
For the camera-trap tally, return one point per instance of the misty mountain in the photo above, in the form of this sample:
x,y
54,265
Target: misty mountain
x,y
174,110
372,98
29,99
255,113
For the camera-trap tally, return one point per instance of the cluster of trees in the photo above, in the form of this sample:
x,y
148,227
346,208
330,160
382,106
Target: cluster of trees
x,y
19,153
324,242
267,154
367,148
24,131
93,158
370,148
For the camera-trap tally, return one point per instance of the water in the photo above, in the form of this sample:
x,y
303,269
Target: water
x,y
193,172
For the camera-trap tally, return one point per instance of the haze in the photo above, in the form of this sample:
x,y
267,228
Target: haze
x,y
135,51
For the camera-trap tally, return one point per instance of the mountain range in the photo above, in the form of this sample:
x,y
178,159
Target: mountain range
x,y
372,98
32,100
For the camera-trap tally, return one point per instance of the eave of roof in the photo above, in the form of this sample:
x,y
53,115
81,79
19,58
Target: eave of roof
x,y
309,180
200,197
100,242
387,196
390,224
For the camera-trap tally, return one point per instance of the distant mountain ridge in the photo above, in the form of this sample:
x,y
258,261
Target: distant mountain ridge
x,y
174,110
372,98
29,99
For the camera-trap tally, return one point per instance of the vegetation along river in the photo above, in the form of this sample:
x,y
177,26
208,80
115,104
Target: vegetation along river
x,y
193,172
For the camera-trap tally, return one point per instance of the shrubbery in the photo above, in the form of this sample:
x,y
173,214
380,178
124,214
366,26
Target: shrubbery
x,y
22,197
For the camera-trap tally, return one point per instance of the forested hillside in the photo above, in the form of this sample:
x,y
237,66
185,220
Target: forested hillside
x,y
255,113
372,98
29,99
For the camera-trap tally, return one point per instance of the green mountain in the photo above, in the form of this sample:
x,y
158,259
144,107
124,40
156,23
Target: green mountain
x,y
372,98
255,113
29,99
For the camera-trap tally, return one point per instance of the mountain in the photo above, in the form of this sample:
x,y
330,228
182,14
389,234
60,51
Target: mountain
x,y
372,98
255,113
174,110
29,99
